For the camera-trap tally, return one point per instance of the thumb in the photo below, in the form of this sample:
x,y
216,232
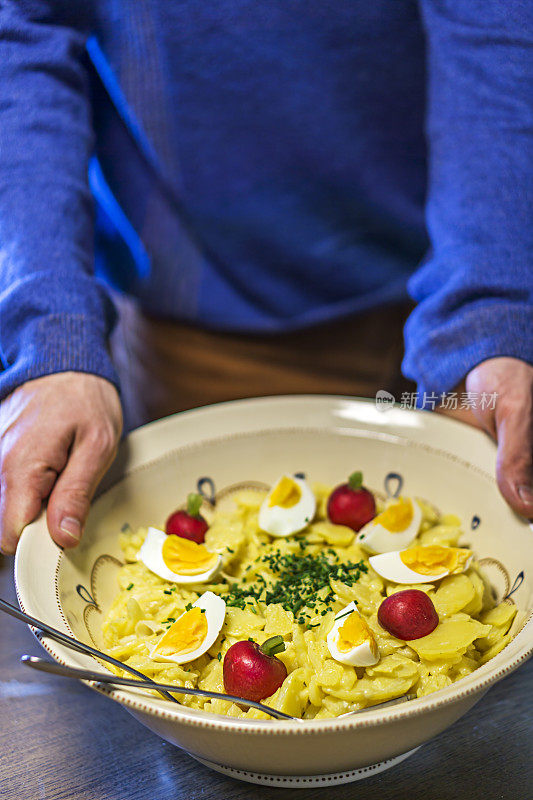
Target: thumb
x,y
69,502
514,466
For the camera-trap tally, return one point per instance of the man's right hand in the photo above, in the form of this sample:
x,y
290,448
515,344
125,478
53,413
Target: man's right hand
x,y
58,436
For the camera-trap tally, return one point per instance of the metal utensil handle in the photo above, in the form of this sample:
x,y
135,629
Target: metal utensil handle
x,y
73,644
404,698
89,675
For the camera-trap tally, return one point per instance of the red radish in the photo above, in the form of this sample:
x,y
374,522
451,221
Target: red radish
x,y
188,524
351,504
253,672
408,615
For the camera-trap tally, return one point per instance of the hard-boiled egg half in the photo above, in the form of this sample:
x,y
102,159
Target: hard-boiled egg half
x,y
176,559
288,507
421,564
194,632
393,529
350,640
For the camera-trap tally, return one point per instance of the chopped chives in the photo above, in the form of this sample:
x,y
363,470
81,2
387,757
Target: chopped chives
x,y
298,582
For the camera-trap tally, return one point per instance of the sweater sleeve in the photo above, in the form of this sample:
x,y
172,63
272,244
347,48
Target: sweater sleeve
x,y
54,314
475,289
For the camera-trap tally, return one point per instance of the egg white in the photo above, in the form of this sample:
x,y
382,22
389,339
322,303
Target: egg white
x,y
359,656
279,521
391,567
375,538
215,613
152,557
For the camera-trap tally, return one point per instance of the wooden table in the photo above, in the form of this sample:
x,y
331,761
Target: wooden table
x,y
61,741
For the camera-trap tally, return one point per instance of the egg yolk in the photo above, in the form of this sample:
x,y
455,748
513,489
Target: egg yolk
x,y
185,557
185,635
353,632
434,559
285,494
397,517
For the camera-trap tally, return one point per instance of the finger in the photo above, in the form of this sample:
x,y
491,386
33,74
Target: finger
x,y
69,502
514,465
22,490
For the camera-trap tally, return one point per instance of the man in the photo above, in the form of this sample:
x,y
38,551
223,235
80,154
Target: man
x,y
263,184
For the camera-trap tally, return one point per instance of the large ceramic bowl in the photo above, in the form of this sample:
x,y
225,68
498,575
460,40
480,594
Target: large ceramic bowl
x,y
439,459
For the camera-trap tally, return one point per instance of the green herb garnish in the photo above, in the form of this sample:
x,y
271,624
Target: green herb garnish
x,y
299,582
346,614
129,587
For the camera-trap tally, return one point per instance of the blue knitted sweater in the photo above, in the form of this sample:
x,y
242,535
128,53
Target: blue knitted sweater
x,y
261,165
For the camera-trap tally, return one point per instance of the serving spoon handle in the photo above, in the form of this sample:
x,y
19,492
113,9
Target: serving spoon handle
x,y
43,629
101,677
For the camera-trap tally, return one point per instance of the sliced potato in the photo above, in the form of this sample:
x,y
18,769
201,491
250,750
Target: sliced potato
x,y
501,615
336,535
292,695
432,683
277,620
451,637
242,623
496,648
445,535
453,594
476,604
394,665
500,619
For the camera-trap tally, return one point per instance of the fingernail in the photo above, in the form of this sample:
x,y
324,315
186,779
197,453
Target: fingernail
x,y
525,494
72,527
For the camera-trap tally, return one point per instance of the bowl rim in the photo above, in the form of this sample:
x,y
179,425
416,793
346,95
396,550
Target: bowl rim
x,y
519,649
